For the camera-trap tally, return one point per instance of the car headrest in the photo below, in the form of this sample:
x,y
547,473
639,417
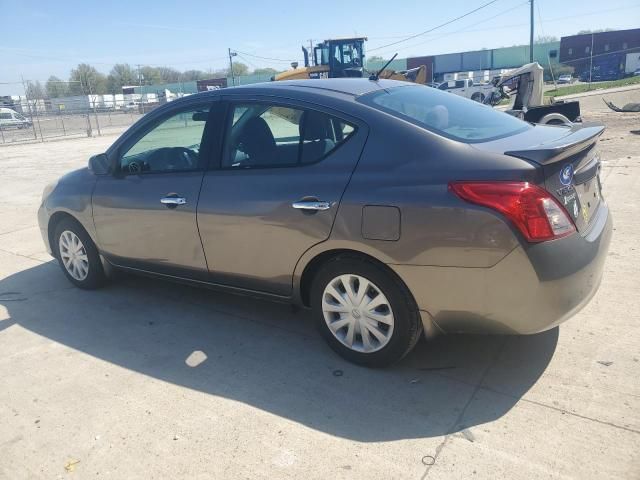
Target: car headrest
x,y
256,136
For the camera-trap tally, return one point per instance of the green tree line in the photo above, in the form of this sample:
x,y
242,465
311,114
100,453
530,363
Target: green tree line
x,y
86,79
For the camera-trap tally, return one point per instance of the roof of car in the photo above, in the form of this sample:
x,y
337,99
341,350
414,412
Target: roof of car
x,y
348,86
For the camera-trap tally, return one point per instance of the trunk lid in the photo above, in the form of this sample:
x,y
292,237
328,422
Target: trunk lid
x,y
569,160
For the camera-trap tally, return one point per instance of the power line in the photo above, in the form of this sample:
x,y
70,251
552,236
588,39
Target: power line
x,y
251,64
513,25
437,27
463,30
265,58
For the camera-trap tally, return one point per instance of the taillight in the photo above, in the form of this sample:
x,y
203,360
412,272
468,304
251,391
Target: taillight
x,y
530,208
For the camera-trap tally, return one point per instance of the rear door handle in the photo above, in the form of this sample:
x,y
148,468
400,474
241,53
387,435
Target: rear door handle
x,y
173,201
311,205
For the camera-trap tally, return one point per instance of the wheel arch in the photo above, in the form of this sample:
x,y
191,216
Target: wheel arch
x,y
315,264
555,118
54,221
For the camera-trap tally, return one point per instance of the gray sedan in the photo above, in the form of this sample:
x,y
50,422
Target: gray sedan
x,y
391,210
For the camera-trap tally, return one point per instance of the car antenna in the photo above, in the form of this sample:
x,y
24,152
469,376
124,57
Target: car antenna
x,y
374,76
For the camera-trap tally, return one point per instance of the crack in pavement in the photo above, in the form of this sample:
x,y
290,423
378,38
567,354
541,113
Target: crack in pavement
x,y
540,404
25,256
18,230
456,423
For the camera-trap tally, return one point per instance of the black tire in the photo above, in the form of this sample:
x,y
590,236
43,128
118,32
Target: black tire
x,y
95,277
407,322
478,97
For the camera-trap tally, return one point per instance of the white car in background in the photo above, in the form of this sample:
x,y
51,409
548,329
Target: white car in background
x,y
565,79
130,107
467,89
11,119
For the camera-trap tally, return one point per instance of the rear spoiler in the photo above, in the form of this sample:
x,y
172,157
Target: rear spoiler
x,y
578,138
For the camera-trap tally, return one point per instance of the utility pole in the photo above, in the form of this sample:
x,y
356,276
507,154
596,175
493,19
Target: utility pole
x,y
531,36
313,57
233,78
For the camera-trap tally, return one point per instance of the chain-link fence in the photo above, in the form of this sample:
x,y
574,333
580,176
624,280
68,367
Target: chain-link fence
x,y
34,116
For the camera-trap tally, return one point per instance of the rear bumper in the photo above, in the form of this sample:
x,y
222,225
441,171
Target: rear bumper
x,y
533,289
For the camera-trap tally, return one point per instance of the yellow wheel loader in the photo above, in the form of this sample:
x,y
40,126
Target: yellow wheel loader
x,y
344,57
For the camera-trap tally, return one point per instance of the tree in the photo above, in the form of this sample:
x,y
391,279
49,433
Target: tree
x,y
265,71
35,90
169,75
193,75
56,88
120,75
546,39
376,58
85,79
150,75
240,69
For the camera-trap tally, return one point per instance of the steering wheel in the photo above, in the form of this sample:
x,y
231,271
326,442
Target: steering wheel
x,y
172,158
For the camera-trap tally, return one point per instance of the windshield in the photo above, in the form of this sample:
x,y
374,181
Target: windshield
x,y
445,113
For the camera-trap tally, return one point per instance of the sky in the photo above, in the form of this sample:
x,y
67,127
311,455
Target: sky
x,y
43,38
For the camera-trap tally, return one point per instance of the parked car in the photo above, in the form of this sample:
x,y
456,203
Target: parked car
x,y
467,89
130,107
636,73
565,79
388,209
11,119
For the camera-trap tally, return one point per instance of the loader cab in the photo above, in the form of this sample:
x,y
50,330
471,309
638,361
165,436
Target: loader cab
x,y
344,57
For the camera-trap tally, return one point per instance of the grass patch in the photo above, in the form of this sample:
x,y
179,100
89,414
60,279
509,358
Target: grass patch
x,y
584,87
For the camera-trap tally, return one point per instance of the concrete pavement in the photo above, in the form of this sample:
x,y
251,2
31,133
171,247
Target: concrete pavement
x,y
147,379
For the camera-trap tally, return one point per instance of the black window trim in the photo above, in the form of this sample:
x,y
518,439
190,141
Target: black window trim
x,y
151,122
232,101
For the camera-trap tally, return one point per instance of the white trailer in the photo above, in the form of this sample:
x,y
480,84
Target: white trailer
x,y
632,62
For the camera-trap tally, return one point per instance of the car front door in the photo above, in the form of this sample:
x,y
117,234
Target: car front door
x,y
145,214
275,194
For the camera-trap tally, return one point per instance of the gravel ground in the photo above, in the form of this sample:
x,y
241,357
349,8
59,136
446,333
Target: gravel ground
x,y
146,379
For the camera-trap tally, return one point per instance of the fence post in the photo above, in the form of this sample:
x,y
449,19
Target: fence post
x,y
38,120
26,95
88,110
95,114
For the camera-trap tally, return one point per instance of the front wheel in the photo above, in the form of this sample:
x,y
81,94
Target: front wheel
x,y
478,97
78,255
364,312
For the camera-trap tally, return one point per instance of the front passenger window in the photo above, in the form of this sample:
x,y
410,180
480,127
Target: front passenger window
x,y
172,145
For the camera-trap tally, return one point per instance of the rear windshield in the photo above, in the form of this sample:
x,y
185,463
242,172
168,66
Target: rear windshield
x,y
445,113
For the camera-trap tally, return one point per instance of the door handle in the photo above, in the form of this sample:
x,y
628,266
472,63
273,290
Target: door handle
x,y
311,205
173,201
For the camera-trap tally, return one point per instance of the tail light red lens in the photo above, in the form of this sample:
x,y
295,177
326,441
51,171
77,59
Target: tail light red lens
x,y
530,208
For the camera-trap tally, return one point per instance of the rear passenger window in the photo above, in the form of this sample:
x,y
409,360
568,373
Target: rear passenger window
x,y
273,136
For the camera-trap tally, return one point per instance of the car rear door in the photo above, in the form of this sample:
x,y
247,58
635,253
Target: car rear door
x,y
275,194
145,214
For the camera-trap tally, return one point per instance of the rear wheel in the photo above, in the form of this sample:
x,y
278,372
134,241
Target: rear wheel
x,y
364,312
478,97
78,255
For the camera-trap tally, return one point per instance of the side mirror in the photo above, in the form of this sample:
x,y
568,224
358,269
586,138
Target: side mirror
x,y
100,164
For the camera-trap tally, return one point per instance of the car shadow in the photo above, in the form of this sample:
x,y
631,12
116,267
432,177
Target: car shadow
x,y
269,356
